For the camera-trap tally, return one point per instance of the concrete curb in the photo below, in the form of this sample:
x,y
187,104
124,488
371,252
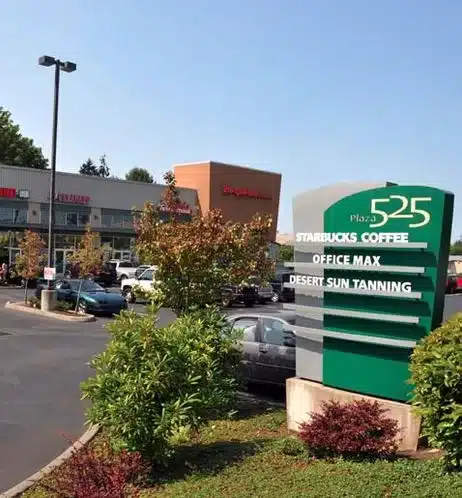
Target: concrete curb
x,y
23,486
50,314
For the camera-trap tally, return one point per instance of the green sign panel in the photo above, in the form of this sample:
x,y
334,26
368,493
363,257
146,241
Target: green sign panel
x,y
385,259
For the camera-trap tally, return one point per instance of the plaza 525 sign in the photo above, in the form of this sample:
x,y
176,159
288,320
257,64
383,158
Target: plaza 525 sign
x,y
407,209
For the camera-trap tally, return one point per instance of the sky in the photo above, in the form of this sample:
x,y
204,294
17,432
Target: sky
x,y
322,91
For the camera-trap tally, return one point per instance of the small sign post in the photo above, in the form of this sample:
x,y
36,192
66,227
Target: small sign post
x,y
49,274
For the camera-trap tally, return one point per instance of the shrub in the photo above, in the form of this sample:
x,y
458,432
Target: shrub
x,y
33,302
153,385
436,367
355,429
99,473
63,306
290,446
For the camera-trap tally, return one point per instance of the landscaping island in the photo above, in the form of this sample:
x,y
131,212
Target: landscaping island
x,y
255,455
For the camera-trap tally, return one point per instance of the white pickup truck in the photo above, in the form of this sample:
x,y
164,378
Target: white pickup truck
x,y
144,281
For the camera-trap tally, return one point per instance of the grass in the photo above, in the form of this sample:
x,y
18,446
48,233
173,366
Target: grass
x,y
254,455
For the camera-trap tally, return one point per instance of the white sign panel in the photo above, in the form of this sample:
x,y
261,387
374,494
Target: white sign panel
x,y
49,273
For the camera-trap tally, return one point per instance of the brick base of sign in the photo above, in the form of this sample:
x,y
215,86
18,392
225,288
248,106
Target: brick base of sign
x,y
304,397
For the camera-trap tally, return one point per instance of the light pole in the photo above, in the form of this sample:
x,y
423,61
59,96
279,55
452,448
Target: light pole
x,y
68,67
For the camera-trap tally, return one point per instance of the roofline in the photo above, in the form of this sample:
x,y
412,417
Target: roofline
x,y
210,162
97,178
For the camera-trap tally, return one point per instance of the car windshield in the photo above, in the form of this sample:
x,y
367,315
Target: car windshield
x,y
87,286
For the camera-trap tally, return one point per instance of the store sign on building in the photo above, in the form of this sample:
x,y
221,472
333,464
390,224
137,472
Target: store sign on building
x,y
12,193
370,282
73,198
244,192
182,208
9,193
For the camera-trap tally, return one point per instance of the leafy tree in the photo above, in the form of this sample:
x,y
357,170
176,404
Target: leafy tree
x,y
4,242
139,175
286,253
196,259
29,263
16,150
456,248
89,168
87,258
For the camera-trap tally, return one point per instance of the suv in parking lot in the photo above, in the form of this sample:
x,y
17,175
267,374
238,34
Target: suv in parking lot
x,y
124,269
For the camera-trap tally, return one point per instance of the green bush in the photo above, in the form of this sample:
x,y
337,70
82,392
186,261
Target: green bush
x,y
290,446
437,376
153,385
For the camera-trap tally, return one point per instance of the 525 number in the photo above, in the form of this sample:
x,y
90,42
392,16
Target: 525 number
x,y
413,204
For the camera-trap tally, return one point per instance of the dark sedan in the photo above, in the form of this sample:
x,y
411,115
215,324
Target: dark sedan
x,y
93,298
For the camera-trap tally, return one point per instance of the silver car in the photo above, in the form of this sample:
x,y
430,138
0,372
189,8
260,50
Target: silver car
x,y
268,347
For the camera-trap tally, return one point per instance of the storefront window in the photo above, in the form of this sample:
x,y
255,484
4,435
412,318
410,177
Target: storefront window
x,y
64,241
14,216
121,243
71,218
118,220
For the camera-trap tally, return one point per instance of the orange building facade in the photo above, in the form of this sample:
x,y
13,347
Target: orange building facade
x,y
239,192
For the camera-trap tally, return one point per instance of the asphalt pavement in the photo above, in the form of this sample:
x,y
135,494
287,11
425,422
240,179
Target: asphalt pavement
x,y
42,362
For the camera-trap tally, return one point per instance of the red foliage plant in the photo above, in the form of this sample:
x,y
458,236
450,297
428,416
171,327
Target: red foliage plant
x,y
355,429
99,473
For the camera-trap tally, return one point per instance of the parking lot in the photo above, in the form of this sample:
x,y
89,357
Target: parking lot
x,y
42,362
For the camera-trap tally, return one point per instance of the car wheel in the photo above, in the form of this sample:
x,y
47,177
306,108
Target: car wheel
x,y
123,277
226,302
129,295
83,308
275,298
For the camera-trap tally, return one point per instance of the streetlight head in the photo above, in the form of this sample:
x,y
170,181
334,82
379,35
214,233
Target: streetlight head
x,y
68,67
46,60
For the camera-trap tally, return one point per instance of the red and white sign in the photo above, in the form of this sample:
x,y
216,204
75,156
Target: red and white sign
x,y
49,273
73,198
245,192
9,193
182,208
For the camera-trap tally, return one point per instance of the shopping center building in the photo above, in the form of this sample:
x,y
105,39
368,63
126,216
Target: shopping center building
x,y
108,204
105,204
239,192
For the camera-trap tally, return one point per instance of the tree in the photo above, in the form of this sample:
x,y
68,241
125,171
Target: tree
x,y
103,169
286,253
89,168
196,259
87,258
456,248
30,262
16,150
4,243
139,175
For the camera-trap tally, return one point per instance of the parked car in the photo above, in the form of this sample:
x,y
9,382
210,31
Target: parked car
x,y
282,293
106,276
451,283
123,269
144,281
265,292
140,269
93,298
268,347
239,294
